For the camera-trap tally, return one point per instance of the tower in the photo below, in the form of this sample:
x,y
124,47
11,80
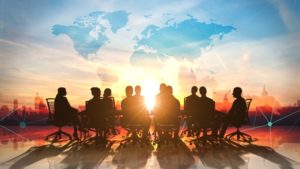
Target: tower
x,y
37,101
15,104
225,103
264,92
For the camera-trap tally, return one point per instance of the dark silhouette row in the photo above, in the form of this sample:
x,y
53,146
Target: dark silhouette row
x,y
199,112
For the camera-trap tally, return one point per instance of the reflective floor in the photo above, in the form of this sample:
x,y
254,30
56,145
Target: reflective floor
x,y
276,147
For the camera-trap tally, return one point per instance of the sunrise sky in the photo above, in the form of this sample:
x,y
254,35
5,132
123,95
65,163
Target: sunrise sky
x,y
80,44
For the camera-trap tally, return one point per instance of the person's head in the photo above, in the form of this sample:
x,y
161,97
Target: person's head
x,y
138,90
202,91
107,92
194,90
61,91
96,92
162,87
237,92
129,91
169,90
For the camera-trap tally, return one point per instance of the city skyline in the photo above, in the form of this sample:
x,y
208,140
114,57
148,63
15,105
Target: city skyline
x,y
262,100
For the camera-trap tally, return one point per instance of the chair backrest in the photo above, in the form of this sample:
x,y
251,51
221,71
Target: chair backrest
x,y
248,103
112,106
51,108
185,111
113,102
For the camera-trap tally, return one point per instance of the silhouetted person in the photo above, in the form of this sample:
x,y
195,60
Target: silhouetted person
x,y
160,95
139,106
191,106
237,112
108,101
139,101
64,113
109,108
206,111
169,110
126,106
95,112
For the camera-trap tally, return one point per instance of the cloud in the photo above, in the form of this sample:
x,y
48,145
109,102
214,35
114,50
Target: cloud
x,y
290,20
107,75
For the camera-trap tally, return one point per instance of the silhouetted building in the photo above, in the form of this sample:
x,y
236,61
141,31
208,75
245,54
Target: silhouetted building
x,y
42,107
265,103
15,104
4,110
37,101
226,104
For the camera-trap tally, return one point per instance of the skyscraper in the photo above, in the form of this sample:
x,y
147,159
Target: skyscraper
x,y
15,104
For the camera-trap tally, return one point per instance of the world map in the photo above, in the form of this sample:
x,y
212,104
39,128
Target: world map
x,y
183,39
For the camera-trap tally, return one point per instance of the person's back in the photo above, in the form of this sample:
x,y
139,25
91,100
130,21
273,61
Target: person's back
x,y
64,113
127,106
160,95
238,112
170,109
95,109
138,105
206,108
191,103
62,107
108,102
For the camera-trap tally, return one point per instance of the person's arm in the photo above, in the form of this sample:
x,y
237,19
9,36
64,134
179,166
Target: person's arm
x,y
233,108
178,107
123,107
66,103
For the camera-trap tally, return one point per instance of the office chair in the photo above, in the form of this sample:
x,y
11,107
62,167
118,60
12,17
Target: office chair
x,y
239,123
166,126
58,134
95,120
135,128
192,124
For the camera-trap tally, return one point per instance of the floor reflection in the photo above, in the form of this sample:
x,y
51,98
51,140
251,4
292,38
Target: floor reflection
x,y
279,148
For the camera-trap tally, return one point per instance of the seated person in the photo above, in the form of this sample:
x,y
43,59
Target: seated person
x,y
237,112
126,106
168,110
109,107
96,116
139,106
206,110
191,107
134,109
160,95
64,113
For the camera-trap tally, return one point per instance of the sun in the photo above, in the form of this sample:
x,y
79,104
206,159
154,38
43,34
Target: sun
x,y
149,90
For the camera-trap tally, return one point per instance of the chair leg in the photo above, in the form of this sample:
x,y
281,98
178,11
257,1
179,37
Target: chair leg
x,y
52,134
66,134
238,134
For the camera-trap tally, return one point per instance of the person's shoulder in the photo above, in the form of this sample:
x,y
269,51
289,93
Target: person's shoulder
x,y
61,99
211,100
175,99
126,99
240,99
188,98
